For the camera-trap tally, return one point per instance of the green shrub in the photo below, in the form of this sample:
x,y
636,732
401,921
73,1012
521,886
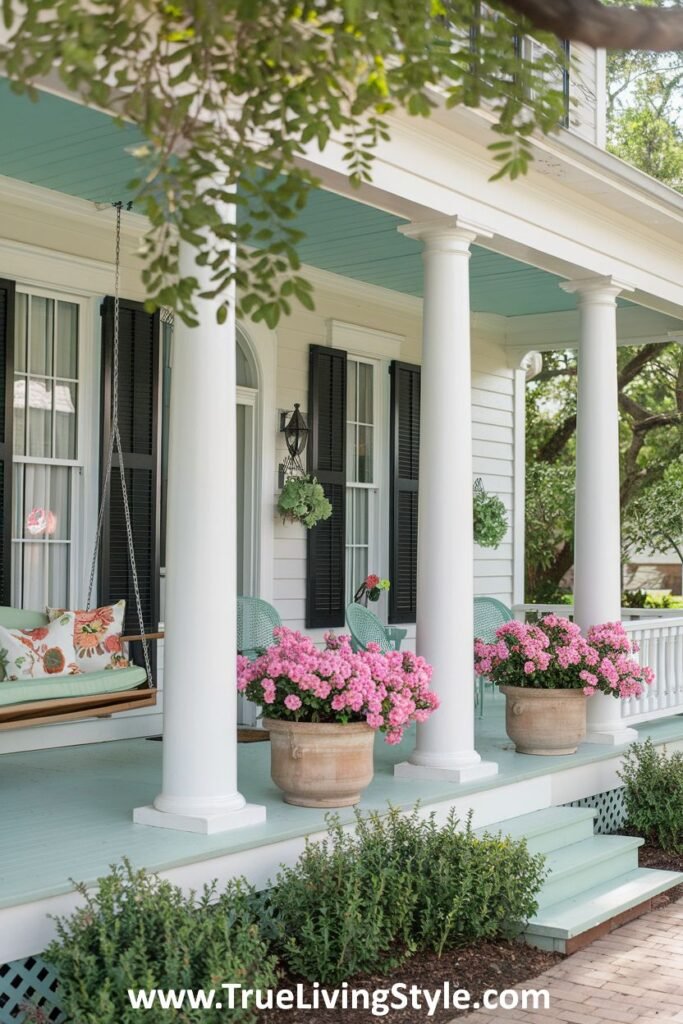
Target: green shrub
x,y
364,901
139,932
490,518
653,794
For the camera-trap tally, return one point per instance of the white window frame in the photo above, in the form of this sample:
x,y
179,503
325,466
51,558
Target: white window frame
x,y
86,395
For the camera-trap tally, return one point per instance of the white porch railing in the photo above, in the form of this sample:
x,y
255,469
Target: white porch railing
x,y
659,635
661,647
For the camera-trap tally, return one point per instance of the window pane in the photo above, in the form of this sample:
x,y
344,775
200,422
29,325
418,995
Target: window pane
x,y
365,455
365,411
45,502
17,500
65,420
17,574
20,327
351,371
41,335
351,453
67,340
19,442
360,559
58,576
360,518
40,418
35,576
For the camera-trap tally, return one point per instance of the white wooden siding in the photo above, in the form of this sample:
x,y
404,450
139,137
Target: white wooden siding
x,y
586,89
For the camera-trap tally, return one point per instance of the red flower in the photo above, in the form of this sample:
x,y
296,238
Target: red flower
x,y
372,581
112,644
39,633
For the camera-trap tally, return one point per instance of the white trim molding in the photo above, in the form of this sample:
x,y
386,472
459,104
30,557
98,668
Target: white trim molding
x,y
366,341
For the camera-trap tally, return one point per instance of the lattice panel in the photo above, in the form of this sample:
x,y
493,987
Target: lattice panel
x,y
610,807
28,993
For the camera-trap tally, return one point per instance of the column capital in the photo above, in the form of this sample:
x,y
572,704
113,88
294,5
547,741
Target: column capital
x,y
447,234
596,289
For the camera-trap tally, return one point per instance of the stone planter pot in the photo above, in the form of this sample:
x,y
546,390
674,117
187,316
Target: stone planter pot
x,y
544,721
318,764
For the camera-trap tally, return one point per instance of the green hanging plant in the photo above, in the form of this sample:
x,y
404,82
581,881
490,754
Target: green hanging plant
x,y
490,517
303,500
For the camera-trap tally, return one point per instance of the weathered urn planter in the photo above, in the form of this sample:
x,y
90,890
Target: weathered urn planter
x,y
544,721
318,764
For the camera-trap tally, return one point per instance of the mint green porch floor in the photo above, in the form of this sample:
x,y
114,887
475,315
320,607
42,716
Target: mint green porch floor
x,y
66,813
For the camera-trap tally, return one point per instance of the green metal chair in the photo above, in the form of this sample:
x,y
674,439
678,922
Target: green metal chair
x,y
366,628
256,620
489,614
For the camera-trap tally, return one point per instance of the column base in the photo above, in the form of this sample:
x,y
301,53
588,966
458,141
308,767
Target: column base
x,y
456,773
205,824
611,737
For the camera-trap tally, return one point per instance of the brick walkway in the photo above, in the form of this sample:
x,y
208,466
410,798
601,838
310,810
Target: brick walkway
x,y
632,976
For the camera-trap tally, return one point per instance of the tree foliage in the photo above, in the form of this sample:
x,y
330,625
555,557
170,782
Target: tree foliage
x,y
650,389
229,97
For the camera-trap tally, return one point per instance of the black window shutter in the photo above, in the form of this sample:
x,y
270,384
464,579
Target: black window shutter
x,y
326,552
405,472
139,403
7,297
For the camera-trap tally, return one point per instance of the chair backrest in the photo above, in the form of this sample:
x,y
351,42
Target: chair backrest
x,y
256,620
489,614
365,628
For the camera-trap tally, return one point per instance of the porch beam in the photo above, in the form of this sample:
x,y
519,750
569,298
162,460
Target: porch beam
x,y
445,551
199,787
597,523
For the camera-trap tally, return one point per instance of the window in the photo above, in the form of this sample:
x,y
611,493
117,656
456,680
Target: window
x,y
46,370
362,485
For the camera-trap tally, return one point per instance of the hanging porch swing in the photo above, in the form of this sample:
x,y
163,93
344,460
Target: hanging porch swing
x,y
96,694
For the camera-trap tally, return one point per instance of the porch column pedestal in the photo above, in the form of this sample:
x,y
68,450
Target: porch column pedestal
x,y
597,526
199,786
445,552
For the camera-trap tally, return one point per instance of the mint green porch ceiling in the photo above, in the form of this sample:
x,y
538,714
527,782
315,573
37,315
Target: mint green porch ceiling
x,y
66,147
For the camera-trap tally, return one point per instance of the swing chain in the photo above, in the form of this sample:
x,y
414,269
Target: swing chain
x,y
115,441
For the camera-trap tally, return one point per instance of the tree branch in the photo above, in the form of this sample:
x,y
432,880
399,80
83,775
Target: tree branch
x,y
609,28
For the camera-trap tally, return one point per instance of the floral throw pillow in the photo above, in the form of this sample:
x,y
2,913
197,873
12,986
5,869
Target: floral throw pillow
x,y
97,636
37,653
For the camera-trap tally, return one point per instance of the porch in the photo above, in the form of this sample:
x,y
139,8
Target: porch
x,y
66,814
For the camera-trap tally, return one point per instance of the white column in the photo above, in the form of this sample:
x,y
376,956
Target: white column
x,y
445,551
199,788
597,524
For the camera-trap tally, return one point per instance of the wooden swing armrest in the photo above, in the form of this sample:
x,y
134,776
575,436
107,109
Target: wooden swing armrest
x,y
148,636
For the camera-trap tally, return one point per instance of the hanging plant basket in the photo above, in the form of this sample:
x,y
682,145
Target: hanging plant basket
x,y
302,500
490,517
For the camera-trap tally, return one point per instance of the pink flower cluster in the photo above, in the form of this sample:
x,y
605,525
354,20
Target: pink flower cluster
x,y
554,654
295,680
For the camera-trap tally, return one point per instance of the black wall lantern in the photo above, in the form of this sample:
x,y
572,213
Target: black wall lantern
x,y
296,439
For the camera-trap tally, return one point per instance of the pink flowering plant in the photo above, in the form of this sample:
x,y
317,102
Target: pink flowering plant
x,y
553,654
296,681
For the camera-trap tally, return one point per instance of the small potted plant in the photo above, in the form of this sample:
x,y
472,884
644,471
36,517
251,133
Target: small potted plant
x,y
490,517
322,709
371,589
302,500
547,671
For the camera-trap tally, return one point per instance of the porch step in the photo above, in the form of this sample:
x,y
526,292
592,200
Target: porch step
x,y
549,829
593,882
583,865
555,926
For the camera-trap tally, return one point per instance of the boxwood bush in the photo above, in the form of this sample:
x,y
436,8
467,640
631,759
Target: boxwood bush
x,y
364,900
653,794
139,932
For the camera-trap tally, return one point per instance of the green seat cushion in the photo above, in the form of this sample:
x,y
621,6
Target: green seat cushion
x,y
56,687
